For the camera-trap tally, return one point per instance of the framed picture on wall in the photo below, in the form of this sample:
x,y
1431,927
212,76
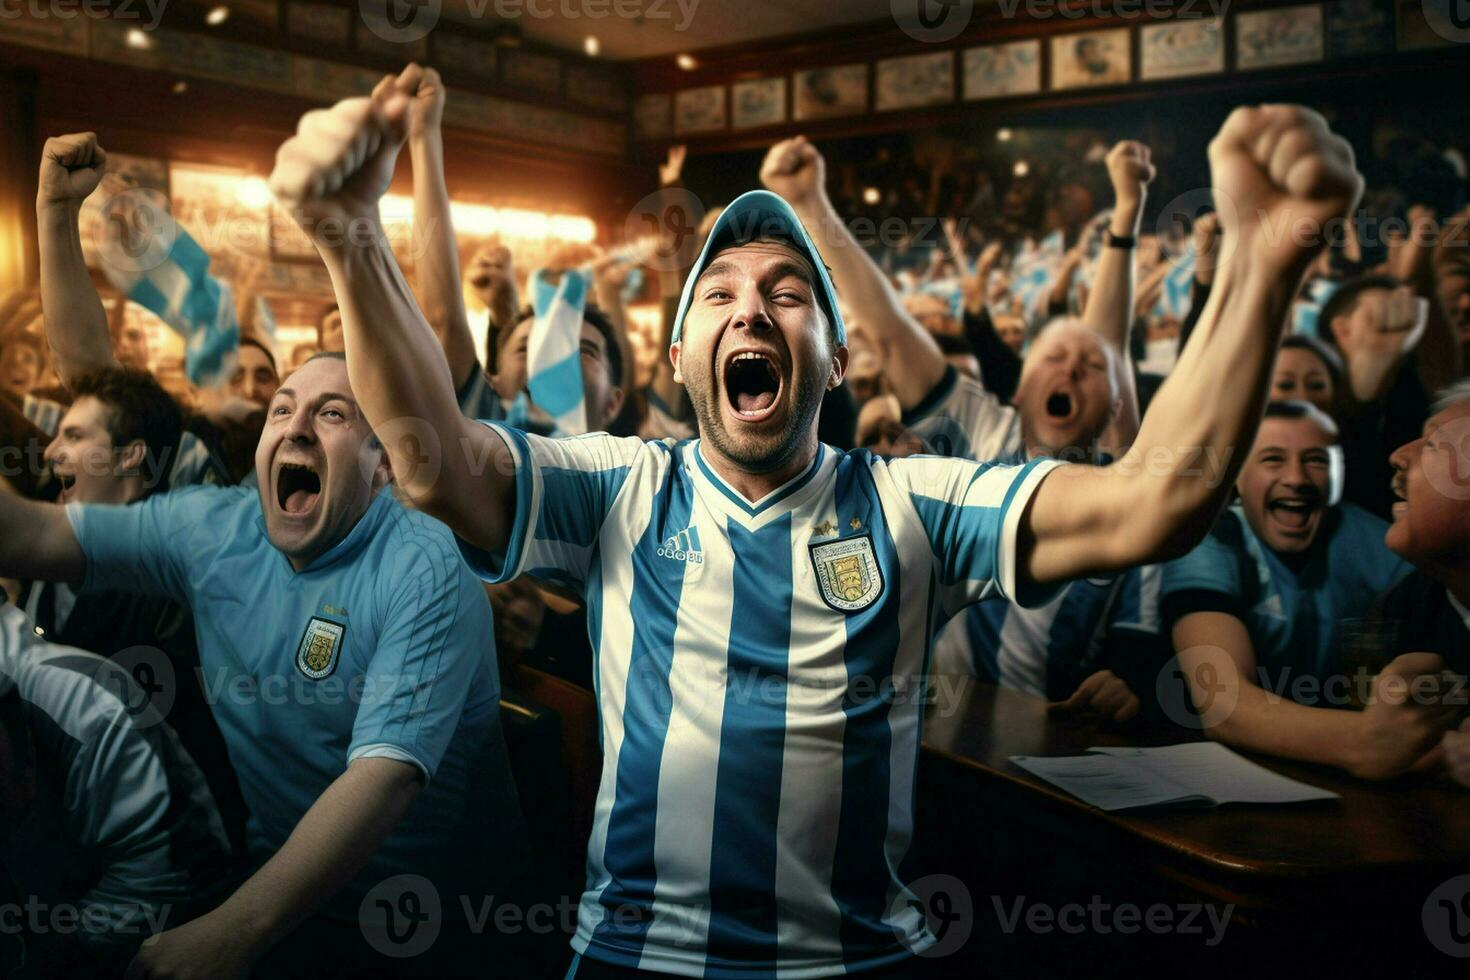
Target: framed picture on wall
x,y
1091,59
760,102
653,116
998,70
1181,48
700,110
825,93
1284,36
1357,27
920,80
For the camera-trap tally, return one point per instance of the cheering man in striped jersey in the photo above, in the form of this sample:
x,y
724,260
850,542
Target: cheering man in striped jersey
x,y
759,734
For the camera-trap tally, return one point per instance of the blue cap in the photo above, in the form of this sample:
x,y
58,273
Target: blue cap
x,y
761,214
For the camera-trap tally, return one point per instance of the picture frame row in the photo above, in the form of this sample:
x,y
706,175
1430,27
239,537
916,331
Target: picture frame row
x,y
1276,37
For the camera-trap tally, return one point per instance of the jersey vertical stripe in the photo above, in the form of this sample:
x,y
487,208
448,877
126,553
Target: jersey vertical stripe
x,y
758,665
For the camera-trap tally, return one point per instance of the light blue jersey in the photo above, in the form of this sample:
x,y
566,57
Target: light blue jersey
x,y
1294,611
381,647
759,670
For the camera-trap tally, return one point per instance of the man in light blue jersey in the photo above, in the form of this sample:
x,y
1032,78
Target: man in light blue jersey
x,y
1257,613
759,724
347,654
1096,643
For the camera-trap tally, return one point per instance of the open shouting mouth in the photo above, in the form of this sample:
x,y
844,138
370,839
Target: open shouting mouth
x,y
298,488
1061,406
753,385
1294,514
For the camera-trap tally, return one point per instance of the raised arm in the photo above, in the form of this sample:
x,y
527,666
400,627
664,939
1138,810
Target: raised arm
x,y
436,260
1109,311
795,170
330,176
76,325
1439,359
1274,167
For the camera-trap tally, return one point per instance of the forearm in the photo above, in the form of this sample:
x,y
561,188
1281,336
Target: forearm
x,y
1109,314
1204,414
1261,721
436,260
864,288
1440,353
329,846
75,322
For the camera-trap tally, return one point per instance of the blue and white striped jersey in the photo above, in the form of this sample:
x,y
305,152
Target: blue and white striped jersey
x,y
961,418
758,671
1036,650
1028,650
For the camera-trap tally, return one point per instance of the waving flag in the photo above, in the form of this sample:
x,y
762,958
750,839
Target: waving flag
x,y
554,355
1177,290
178,288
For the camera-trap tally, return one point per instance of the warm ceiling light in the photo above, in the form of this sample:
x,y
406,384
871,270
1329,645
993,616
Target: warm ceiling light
x,y
686,62
180,87
1021,169
592,46
217,16
139,39
1004,134
872,196
254,193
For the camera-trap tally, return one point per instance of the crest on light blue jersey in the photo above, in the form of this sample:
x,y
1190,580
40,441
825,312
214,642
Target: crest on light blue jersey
x,y
847,573
320,648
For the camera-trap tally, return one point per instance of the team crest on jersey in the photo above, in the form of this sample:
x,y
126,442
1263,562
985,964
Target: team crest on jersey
x,y
848,573
321,646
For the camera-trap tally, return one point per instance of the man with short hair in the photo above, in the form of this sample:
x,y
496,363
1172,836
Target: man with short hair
x,y
501,394
255,377
1431,529
350,656
755,598
22,362
1257,612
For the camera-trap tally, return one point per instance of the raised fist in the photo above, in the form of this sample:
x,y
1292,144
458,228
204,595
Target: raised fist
x,y
1280,175
71,168
794,169
332,173
672,168
425,92
1130,169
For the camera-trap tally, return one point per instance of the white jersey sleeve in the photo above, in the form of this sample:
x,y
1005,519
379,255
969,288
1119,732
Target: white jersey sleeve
x,y
971,514
564,491
961,418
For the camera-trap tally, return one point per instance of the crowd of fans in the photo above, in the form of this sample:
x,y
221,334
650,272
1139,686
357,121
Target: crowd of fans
x,y
1037,327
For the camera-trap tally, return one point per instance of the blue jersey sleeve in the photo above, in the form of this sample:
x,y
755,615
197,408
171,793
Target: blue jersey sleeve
x,y
1213,566
564,491
436,639
149,546
971,514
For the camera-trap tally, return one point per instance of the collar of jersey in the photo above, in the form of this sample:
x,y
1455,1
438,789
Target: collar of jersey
x,y
776,496
352,543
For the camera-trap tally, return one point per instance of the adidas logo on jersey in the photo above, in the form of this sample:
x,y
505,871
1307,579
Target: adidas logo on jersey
x,y
684,547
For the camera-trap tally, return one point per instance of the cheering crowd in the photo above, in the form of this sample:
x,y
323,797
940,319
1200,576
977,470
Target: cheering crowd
x,y
1067,459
